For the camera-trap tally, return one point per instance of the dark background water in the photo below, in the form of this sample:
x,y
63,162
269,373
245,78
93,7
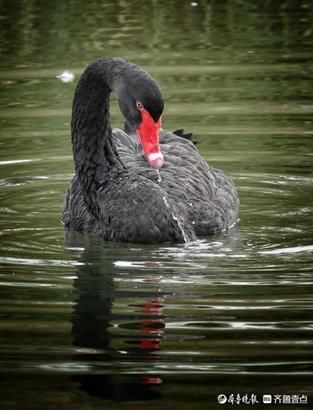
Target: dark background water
x,y
90,325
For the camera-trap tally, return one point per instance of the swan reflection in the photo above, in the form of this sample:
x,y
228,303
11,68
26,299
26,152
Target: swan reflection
x,y
106,340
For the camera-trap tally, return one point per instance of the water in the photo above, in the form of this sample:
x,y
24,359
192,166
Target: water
x,y
90,325
159,176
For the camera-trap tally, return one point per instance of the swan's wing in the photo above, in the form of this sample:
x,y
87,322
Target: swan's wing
x,y
205,194
125,140
187,135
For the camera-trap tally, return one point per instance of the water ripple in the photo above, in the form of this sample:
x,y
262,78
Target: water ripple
x,y
38,262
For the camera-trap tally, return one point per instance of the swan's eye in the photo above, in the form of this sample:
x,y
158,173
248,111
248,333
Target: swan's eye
x,y
139,105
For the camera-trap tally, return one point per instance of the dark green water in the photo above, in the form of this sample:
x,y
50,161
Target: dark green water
x,y
93,325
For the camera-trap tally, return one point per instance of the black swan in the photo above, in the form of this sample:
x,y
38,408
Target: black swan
x,y
123,188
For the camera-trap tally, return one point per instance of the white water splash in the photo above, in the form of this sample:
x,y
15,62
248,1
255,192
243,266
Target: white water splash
x,y
177,220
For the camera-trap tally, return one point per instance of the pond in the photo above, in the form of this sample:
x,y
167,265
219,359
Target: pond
x,y
87,324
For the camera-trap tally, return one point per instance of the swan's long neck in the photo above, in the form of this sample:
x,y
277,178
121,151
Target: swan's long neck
x,y
94,151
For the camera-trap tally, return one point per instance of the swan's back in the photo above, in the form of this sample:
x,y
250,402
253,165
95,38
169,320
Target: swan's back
x,y
204,195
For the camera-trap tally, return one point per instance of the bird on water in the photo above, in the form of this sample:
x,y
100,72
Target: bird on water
x,y
142,184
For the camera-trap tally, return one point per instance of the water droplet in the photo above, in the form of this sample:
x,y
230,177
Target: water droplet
x,y
159,176
177,220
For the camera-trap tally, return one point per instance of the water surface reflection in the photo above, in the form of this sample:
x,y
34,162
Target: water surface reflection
x,y
87,320
102,342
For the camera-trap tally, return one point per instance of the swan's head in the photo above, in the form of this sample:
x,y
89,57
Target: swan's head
x,y
142,104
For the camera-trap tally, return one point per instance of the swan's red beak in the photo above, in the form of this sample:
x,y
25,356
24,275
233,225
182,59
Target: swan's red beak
x,y
148,133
